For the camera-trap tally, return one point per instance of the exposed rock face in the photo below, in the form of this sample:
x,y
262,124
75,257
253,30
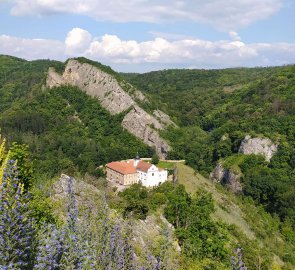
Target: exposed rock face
x,y
138,95
143,126
217,173
147,232
227,178
54,79
164,118
85,194
95,83
106,88
258,146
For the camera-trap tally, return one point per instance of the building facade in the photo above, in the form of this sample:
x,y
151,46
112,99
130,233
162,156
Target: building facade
x,y
134,171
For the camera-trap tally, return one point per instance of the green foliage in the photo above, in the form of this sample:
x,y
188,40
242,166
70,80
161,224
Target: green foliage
x,y
254,256
135,201
73,140
41,208
215,109
18,77
198,234
192,145
20,153
177,208
287,231
155,159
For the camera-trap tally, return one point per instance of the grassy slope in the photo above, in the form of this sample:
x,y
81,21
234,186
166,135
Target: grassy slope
x,y
226,209
252,221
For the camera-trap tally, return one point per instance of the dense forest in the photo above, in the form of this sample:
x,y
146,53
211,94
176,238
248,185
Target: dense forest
x,y
215,109
62,130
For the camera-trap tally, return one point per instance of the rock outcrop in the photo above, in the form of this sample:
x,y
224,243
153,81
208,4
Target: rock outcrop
x,y
144,126
87,196
54,79
95,83
112,96
163,118
155,229
258,146
227,177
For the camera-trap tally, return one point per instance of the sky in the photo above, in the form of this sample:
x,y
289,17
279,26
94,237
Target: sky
x,y
146,35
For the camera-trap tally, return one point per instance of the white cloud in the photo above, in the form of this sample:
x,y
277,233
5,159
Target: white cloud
x,y
77,41
234,35
31,48
222,14
131,55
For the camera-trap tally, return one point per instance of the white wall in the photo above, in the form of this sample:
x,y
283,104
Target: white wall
x,y
153,177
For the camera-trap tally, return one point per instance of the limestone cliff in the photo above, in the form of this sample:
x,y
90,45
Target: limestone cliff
x,y
145,126
95,83
227,177
115,99
258,146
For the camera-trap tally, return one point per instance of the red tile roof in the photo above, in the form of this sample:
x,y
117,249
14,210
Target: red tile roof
x,y
127,167
143,166
122,167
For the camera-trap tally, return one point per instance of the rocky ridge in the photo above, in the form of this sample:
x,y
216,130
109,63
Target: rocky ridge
x,y
113,98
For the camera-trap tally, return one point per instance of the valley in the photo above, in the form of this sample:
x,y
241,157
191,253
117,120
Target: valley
x,y
73,118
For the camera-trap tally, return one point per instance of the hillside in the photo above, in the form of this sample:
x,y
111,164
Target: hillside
x,y
217,109
78,115
66,130
252,228
117,97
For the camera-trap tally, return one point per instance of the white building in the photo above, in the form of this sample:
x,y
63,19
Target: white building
x,y
123,172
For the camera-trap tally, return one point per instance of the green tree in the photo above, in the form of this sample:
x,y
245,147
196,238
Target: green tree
x,y
135,201
177,208
155,159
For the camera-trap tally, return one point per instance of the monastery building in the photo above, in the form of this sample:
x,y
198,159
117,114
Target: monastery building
x,y
134,171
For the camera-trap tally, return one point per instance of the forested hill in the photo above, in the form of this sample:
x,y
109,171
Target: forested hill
x,y
216,109
191,95
66,129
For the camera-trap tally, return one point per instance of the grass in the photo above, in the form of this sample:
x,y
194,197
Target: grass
x,y
226,211
249,219
166,165
233,162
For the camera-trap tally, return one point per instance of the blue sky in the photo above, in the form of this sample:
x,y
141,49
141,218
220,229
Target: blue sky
x,y
144,35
